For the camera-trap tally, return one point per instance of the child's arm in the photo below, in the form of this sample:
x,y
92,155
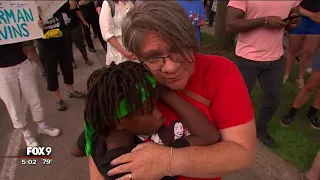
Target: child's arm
x,y
201,130
78,149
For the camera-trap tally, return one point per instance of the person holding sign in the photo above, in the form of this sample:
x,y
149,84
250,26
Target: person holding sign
x,y
54,49
17,82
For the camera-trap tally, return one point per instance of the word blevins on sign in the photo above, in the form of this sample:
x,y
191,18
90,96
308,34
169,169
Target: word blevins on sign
x,y
39,151
18,21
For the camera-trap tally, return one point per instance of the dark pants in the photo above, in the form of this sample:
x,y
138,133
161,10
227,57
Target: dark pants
x,y
270,76
53,52
211,13
92,18
75,35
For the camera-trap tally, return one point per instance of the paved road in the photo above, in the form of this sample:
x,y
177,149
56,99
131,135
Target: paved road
x,y
65,167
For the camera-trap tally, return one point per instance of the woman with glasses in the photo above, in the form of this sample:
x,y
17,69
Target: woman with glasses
x,y
110,24
160,34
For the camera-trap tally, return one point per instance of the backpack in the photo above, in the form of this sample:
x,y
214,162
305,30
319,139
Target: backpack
x,y
113,6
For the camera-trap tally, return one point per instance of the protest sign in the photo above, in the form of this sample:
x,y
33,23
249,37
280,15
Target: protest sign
x,y
48,8
18,21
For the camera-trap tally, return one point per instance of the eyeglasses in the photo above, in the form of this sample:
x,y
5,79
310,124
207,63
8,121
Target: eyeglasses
x,y
157,63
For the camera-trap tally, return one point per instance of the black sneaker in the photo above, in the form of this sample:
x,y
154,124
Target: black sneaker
x,y
314,122
76,94
286,121
267,140
61,106
92,50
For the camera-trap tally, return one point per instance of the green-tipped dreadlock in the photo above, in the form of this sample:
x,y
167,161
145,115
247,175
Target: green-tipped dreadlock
x,y
116,92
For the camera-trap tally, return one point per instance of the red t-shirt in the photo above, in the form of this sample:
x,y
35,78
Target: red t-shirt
x,y
219,80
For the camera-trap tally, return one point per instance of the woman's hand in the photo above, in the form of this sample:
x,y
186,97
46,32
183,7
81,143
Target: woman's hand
x,y
86,24
293,23
129,55
41,24
146,161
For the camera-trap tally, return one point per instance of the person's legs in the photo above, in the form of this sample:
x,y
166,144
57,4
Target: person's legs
x,y
77,37
250,71
295,41
270,81
86,31
30,94
314,172
211,13
311,44
96,29
49,56
304,94
65,63
69,37
312,85
11,96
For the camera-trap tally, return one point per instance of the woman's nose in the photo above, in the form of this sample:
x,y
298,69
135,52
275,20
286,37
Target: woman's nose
x,y
170,66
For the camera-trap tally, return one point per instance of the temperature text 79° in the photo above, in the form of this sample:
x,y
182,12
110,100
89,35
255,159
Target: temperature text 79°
x,y
46,161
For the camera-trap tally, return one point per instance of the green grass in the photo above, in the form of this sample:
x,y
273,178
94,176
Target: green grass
x,y
298,143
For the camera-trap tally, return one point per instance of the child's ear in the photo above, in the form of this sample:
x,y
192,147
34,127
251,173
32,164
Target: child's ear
x,y
119,124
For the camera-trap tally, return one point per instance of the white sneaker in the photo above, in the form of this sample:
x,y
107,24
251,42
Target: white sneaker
x,y
31,141
285,78
300,82
50,131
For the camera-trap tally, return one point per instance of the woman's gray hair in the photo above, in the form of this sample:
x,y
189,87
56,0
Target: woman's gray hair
x,y
167,18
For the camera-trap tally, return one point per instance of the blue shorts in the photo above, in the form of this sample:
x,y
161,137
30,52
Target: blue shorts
x,y
316,61
306,26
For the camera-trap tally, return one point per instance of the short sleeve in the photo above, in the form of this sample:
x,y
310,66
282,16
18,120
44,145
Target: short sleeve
x,y
307,4
102,156
239,4
180,143
231,104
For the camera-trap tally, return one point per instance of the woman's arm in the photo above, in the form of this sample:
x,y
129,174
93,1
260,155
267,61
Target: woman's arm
x,y
233,113
201,130
107,30
73,6
236,22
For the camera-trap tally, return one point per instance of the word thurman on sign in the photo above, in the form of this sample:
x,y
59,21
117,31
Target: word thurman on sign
x,y
18,22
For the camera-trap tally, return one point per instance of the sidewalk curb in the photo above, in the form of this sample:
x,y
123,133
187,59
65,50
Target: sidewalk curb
x,y
275,166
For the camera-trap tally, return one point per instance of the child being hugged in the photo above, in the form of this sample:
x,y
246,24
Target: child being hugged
x,y
123,109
